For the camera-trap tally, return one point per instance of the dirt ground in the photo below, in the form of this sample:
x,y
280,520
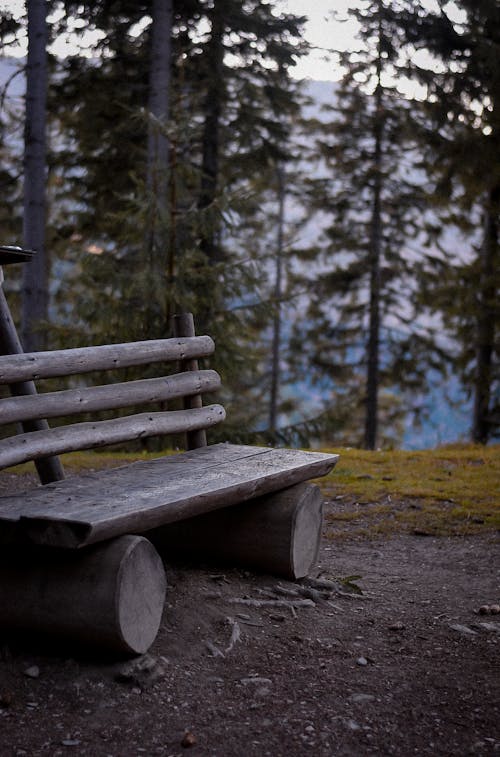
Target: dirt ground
x,y
408,667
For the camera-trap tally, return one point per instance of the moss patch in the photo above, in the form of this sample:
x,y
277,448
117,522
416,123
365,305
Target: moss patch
x,y
450,490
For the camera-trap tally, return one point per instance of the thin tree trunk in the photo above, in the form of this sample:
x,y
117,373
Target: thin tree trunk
x,y
278,283
485,324
211,130
375,253
35,273
209,299
158,149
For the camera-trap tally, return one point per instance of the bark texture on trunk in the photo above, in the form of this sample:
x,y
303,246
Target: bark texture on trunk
x,y
35,273
485,324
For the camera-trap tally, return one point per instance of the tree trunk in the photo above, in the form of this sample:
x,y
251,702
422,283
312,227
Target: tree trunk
x,y
485,324
158,107
209,300
373,359
211,128
276,343
35,273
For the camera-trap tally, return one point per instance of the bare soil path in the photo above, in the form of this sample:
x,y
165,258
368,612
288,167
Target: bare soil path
x,y
409,667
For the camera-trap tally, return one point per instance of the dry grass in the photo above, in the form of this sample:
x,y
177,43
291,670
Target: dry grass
x,y
450,490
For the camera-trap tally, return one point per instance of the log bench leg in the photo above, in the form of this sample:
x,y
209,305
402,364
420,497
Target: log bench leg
x,y
110,595
279,533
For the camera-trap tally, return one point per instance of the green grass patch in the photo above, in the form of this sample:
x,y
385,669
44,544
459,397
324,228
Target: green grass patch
x,y
449,490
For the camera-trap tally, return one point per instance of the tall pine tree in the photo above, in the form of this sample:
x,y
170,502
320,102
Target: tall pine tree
x,y
462,136
361,305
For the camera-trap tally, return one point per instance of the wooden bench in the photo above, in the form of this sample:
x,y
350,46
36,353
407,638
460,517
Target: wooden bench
x,y
85,568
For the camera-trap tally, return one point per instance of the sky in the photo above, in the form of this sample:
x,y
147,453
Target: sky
x,y
321,31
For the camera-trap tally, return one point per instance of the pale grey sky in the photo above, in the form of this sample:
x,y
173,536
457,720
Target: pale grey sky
x,y
321,31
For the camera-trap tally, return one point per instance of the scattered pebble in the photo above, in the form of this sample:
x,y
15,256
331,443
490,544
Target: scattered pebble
x,y
362,661
463,629
398,626
32,672
258,680
359,697
71,742
188,740
489,610
494,627
352,725
6,699
141,672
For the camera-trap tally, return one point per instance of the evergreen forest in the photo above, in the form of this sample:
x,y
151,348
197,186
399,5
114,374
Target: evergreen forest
x,y
343,254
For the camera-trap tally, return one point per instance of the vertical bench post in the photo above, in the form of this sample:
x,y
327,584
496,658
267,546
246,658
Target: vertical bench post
x,y
183,326
49,468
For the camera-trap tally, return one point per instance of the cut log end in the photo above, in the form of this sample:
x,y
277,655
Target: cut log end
x,y
140,595
306,532
108,596
278,533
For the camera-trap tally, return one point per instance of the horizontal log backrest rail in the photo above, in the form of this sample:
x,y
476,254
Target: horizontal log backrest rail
x,y
15,369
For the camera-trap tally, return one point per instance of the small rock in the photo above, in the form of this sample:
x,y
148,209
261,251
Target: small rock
x,y
257,680
32,672
489,609
214,650
359,697
142,672
188,740
6,699
71,742
463,629
352,725
494,627
362,661
397,626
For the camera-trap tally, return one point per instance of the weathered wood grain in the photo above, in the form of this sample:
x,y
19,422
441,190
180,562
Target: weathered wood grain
x,y
147,494
278,533
56,441
110,595
32,366
49,469
108,397
183,326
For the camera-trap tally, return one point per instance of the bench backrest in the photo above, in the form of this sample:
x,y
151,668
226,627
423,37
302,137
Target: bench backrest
x,y
189,383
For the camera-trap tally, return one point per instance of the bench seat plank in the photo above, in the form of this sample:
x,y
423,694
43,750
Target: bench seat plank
x,y
146,494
